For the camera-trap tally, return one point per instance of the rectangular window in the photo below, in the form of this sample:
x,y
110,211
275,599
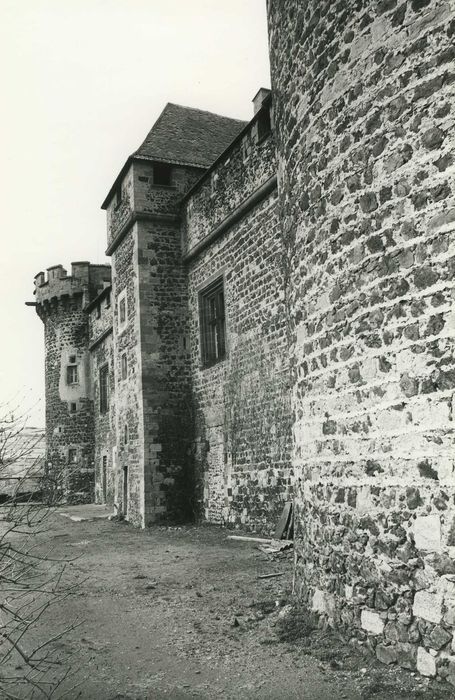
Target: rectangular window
x,y
73,407
162,174
104,389
125,435
124,366
98,311
122,311
72,374
212,323
72,455
108,300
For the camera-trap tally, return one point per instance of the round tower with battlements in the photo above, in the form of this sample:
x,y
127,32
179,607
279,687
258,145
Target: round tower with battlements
x,y
60,301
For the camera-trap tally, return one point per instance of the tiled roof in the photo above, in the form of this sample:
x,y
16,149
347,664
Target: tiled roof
x,y
189,136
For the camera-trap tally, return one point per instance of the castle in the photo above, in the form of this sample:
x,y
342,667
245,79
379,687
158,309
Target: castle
x,y
278,322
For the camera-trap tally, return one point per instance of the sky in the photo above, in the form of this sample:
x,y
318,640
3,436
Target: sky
x,y
82,82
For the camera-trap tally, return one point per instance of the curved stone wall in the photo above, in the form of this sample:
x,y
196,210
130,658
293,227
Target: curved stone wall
x,y
364,114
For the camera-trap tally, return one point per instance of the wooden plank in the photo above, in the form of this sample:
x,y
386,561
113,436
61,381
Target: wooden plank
x,y
283,522
240,538
281,573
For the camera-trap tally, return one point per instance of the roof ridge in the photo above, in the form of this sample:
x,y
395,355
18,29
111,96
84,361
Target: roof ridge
x,y
203,111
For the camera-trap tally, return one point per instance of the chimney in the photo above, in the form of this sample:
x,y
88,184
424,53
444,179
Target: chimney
x,y
259,98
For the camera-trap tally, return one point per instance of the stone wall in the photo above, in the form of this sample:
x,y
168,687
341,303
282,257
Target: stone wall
x,y
153,403
69,410
364,100
128,392
168,464
108,480
241,404
239,172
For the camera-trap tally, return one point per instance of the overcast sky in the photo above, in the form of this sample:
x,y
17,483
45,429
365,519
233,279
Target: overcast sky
x,y
82,83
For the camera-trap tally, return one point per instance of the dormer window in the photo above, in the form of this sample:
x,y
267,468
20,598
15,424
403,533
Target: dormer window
x,y
264,124
162,174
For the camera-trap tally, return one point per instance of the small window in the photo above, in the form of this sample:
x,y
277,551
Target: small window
x,y
98,310
122,311
162,174
264,123
125,435
124,366
72,374
73,408
212,323
72,359
108,300
104,389
72,455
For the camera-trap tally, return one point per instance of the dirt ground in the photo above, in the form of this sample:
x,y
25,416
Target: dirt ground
x,y
182,613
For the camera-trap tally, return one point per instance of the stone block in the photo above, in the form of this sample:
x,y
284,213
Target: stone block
x,y
406,655
318,602
427,533
371,622
426,663
451,671
428,606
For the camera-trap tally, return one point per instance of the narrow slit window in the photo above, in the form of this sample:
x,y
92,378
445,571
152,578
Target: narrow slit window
x,y
124,366
104,389
212,323
122,311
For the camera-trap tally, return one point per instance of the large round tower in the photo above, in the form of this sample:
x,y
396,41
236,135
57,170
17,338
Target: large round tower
x,y
60,303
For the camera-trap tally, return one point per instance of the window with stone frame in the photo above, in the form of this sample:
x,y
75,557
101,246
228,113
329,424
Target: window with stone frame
x,y
104,388
72,455
212,323
72,375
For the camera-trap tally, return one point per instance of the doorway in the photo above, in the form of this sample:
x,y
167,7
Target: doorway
x,y
125,493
